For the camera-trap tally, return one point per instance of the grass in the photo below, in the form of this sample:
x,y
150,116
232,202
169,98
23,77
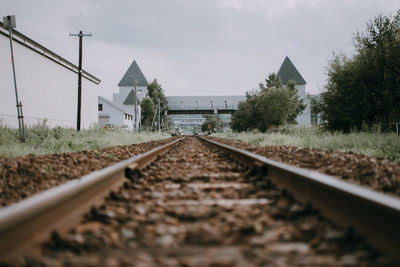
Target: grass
x,y
380,145
44,140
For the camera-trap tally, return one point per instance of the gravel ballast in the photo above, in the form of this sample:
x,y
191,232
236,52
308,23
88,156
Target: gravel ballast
x,y
24,176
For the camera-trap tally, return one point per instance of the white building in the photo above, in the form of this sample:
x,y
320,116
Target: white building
x,y
287,72
47,86
124,100
112,115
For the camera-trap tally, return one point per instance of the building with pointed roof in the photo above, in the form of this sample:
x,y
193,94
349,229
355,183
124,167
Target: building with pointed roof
x,y
125,98
132,75
186,111
288,72
130,99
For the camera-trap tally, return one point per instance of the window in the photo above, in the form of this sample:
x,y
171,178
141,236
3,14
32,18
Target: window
x,y
126,116
211,104
100,107
226,104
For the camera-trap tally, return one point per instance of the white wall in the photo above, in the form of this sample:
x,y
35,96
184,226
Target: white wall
x,y
305,118
116,116
47,90
120,97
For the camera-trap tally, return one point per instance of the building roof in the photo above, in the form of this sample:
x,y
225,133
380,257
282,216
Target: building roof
x,y
114,105
129,77
204,102
289,72
130,99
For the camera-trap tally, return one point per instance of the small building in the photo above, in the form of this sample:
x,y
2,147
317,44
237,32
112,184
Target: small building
x,y
124,100
288,72
110,115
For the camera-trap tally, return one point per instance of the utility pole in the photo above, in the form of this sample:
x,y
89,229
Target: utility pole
x,y
159,116
136,80
154,119
78,119
9,21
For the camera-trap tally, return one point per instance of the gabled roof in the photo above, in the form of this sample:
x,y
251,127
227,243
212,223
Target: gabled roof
x,y
289,72
115,106
130,99
129,77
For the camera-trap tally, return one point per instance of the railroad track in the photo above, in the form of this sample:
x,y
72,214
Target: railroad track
x,y
194,206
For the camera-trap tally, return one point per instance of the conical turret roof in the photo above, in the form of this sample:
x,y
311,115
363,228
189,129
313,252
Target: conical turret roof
x,y
129,77
289,72
130,99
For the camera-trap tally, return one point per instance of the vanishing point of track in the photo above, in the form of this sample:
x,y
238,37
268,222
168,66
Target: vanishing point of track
x,y
194,207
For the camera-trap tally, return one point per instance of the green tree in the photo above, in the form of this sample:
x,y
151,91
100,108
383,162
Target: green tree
x,y
298,104
246,117
156,92
366,87
315,108
272,105
148,109
215,122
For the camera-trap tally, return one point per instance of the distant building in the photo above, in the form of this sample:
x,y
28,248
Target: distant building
x,y
288,72
124,101
47,85
187,111
221,104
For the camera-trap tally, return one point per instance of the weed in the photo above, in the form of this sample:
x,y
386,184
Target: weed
x,y
44,140
375,144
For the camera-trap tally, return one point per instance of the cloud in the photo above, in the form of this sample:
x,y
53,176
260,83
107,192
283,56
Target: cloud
x,y
198,47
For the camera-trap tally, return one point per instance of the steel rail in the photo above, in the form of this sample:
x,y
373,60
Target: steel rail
x,y
374,215
27,223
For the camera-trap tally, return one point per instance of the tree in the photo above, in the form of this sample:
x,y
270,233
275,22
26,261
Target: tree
x,y
246,117
366,87
272,105
156,92
315,108
215,121
299,105
148,109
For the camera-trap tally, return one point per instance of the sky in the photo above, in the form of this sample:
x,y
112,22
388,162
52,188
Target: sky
x,y
198,47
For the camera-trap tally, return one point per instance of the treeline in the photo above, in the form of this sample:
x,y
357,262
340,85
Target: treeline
x,y
365,89
273,104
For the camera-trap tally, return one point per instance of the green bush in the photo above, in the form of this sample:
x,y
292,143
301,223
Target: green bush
x,y
274,104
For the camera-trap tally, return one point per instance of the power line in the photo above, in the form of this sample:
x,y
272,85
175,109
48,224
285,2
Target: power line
x,y
55,14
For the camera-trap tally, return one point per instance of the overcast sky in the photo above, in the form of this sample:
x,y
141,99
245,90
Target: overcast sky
x,y
198,47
